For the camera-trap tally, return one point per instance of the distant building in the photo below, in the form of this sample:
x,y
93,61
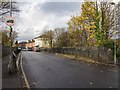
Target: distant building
x,y
38,42
22,45
30,44
41,41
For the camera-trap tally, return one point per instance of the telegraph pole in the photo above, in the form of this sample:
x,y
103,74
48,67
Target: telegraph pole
x,y
115,25
11,64
115,51
10,22
115,36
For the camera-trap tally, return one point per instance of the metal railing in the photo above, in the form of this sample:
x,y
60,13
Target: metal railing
x,y
97,54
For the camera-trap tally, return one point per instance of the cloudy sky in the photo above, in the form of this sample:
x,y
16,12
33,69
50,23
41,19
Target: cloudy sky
x,y
37,16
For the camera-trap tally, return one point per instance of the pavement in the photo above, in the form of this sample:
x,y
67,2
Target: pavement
x,y
88,60
45,70
9,80
0,74
0,66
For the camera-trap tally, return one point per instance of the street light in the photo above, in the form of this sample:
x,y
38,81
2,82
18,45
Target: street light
x,y
112,3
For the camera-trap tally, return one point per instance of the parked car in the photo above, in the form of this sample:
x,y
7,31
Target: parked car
x,y
37,49
23,49
30,49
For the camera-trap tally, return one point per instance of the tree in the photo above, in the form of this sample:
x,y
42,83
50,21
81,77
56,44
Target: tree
x,y
61,37
5,38
16,42
88,15
48,36
29,41
92,27
98,33
5,7
106,23
14,36
75,32
82,27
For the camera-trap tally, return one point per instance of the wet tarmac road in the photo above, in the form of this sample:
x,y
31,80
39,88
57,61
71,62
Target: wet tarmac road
x,y
44,70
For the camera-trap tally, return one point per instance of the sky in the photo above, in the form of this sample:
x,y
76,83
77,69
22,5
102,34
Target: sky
x,y
37,17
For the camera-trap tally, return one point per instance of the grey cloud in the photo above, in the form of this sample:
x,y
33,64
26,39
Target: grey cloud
x,y
60,8
53,14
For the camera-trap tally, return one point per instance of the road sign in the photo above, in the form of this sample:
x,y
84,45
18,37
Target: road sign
x,y
9,21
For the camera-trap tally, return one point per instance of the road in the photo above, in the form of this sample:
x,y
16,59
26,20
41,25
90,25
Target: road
x,y
44,70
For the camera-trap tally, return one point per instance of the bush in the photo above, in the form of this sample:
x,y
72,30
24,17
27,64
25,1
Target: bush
x,y
118,53
109,44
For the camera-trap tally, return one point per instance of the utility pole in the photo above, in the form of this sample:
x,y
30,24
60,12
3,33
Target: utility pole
x,y
117,29
115,51
115,25
115,12
11,63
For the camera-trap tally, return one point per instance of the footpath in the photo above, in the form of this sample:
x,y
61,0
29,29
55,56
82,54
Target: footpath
x,y
9,80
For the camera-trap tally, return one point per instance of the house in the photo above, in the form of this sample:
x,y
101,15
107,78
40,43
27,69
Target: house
x,y
38,42
22,45
42,42
30,44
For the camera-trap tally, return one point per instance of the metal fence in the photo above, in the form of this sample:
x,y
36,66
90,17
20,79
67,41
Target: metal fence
x,y
96,54
5,50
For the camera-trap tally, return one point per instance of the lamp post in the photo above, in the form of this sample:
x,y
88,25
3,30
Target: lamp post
x,y
115,51
11,57
116,32
115,23
117,13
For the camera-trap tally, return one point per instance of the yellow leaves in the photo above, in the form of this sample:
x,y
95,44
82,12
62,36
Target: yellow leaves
x,y
84,25
92,10
91,36
92,27
91,31
98,17
88,9
96,45
92,23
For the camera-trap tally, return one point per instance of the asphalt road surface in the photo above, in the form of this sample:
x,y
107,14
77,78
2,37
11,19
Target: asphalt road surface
x,y
44,70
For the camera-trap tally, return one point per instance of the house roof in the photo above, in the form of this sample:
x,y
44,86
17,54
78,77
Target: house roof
x,y
41,36
22,42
